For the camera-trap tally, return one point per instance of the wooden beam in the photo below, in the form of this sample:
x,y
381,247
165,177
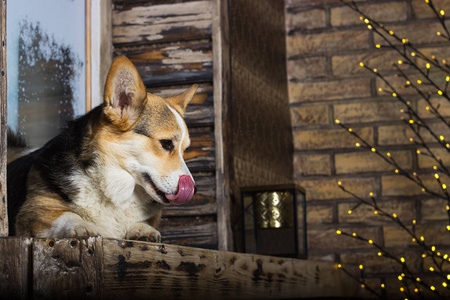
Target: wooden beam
x,y
222,126
3,125
102,268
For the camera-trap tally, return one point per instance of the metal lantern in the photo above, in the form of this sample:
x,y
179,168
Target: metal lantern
x,y
274,220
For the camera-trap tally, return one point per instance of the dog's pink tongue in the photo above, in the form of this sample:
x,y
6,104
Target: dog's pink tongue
x,y
185,191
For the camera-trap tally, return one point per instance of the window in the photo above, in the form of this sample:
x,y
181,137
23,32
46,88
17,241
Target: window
x,y
48,66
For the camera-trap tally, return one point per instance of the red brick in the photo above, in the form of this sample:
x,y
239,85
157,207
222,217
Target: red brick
x,y
306,19
365,214
329,90
423,10
365,112
369,162
327,42
309,115
311,164
433,210
308,67
328,189
419,32
329,138
384,12
319,214
328,239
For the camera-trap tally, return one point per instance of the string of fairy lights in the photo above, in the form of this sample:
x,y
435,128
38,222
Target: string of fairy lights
x,y
426,87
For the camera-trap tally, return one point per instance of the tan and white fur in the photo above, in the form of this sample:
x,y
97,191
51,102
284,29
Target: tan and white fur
x,y
111,172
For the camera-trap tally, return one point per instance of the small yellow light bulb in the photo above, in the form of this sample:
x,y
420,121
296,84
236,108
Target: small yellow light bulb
x,y
400,62
371,194
434,167
440,92
408,82
402,259
369,26
350,212
422,238
414,222
431,269
394,94
378,45
338,231
419,81
441,137
416,290
396,171
413,54
411,121
388,154
375,70
444,284
447,207
375,212
361,64
442,12
433,248
444,187
337,121
350,130
432,288
391,32
402,289
438,33
339,183
380,254
428,65
357,145
448,227
374,150
418,151
383,286
448,276
418,279
436,176
370,242
447,78
363,286
394,215
400,277
361,267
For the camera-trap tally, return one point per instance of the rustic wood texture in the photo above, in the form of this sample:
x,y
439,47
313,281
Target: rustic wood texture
x,y
222,117
162,23
3,123
66,268
15,272
135,270
102,268
174,63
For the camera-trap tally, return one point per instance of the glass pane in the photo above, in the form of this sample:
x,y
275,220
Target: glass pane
x,y
46,66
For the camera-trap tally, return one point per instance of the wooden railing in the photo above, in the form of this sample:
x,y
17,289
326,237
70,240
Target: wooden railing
x,y
100,268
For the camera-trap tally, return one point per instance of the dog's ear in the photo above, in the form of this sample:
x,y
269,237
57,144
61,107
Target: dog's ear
x,y
125,94
179,102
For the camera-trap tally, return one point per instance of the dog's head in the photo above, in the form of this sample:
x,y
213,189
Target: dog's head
x,y
145,137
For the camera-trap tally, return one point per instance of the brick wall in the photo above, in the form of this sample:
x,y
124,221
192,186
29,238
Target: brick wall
x,y
325,43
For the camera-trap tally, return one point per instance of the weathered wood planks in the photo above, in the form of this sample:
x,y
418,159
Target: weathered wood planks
x,y
102,268
174,63
162,23
3,121
136,270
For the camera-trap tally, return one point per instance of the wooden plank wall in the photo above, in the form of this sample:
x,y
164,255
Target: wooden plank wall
x,y
170,43
3,124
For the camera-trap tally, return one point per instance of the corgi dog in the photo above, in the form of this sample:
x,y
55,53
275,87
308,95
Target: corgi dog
x,y
111,171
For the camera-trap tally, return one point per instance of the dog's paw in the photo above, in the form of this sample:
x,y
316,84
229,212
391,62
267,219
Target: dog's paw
x,y
143,232
83,230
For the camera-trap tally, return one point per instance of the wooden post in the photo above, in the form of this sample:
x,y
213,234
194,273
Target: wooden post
x,y
222,121
3,125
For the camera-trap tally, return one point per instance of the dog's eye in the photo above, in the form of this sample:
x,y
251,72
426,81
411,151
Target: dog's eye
x,y
167,144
